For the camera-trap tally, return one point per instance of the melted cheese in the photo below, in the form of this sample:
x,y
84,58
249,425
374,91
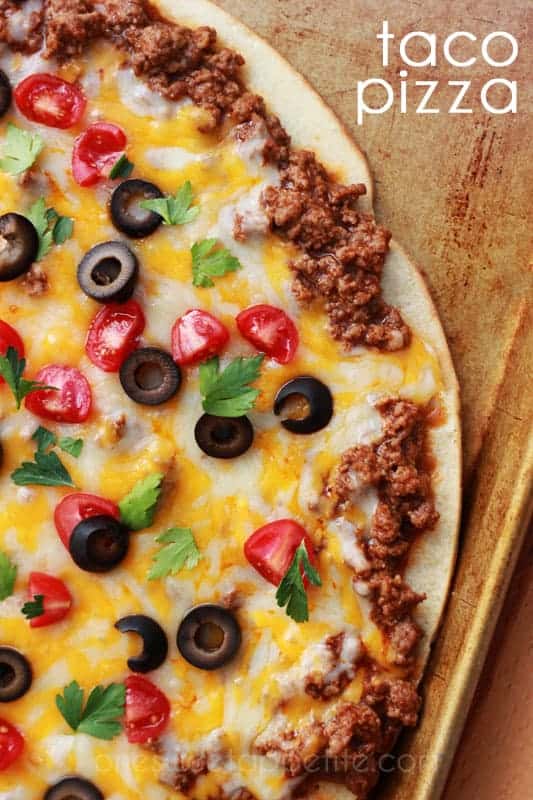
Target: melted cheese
x,y
223,502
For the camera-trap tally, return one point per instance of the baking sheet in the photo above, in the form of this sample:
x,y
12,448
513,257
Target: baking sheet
x,y
456,192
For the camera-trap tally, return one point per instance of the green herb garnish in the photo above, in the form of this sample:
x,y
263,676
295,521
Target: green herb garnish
x,y
46,470
180,552
291,591
21,149
34,608
71,446
210,261
228,393
51,228
101,716
11,369
137,509
175,210
8,576
122,168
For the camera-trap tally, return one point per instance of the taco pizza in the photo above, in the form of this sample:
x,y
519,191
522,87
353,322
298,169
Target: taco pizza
x,y
230,477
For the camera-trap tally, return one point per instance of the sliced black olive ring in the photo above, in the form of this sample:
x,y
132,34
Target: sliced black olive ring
x,y
73,789
15,674
5,93
307,402
126,212
224,437
108,272
150,376
155,643
209,636
19,244
99,544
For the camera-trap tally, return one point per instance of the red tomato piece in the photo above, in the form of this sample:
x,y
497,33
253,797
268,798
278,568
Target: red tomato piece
x,y
96,151
270,550
147,710
69,401
114,333
50,100
270,330
57,600
9,338
11,744
197,335
79,506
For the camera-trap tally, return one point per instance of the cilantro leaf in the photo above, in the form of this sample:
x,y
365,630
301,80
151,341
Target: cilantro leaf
x,y
46,470
63,229
34,608
210,261
44,439
21,149
121,168
102,713
11,369
70,704
137,509
71,446
8,576
181,552
175,210
291,591
50,227
227,393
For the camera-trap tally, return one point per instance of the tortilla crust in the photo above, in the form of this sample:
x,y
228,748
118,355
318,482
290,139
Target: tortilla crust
x,y
313,125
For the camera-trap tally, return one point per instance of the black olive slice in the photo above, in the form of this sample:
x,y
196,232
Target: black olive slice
x,y
126,212
5,93
108,272
15,674
155,643
99,544
19,244
224,437
312,405
150,376
209,636
73,789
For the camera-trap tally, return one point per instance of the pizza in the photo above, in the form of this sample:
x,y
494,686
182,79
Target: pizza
x,y
229,422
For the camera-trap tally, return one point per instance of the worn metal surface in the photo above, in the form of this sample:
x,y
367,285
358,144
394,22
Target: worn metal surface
x,y
457,191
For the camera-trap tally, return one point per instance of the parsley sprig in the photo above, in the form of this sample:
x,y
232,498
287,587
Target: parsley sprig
x,y
12,369
180,552
122,168
34,608
211,261
45,439
21,149
8,576
47,469
291,591
50,226
228,393
137,509
177,210
102,713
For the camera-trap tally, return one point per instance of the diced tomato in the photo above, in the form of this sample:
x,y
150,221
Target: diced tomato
x,y
197,335
79,506
270,550
9,338
11,744
96,151
57,600
69,401
50,100
147,710
270,330
114,333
